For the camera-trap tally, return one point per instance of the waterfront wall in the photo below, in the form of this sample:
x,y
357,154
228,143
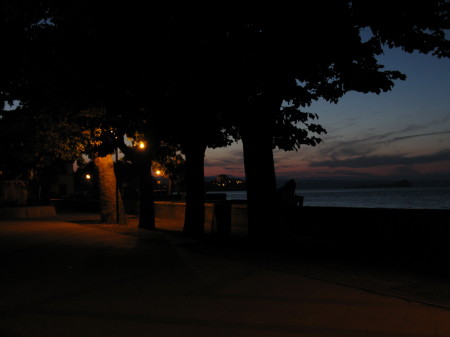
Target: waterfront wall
x,y
420,235
221,218
175,212
374,224
365,224
380,230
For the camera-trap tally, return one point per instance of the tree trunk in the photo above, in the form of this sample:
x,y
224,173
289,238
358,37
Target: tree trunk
x,y
109,198
194,219
146,196
170,183
257,139
261,185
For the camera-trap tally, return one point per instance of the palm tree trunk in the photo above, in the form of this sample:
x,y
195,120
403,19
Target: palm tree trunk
x,y
108,197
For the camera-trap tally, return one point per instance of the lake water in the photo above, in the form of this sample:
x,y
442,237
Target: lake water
x,y
413,197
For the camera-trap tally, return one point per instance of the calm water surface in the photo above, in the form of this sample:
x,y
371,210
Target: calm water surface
x,y
414,197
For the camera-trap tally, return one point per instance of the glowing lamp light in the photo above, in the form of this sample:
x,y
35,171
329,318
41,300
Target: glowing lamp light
x,y
88,176
141,145
158,172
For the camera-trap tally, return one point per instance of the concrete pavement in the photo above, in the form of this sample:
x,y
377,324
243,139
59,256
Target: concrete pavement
x,y
62,278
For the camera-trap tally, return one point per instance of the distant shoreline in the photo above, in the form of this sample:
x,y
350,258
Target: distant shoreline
x,y
348,183
397,184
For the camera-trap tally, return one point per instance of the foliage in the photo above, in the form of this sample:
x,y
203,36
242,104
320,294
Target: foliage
x,y
189,75
290,135
34,141
170,161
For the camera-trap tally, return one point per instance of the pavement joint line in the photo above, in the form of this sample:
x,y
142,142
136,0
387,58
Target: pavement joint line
x,y
382,293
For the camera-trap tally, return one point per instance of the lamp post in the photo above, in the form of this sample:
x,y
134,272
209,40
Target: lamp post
x,y
117,189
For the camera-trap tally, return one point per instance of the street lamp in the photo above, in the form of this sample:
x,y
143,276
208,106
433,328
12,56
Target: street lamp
x,y
117,189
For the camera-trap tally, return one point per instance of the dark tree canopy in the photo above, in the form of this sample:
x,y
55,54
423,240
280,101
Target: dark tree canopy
x,y
197,76
127,59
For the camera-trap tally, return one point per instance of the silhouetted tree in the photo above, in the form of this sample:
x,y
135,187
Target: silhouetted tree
x,y
317,49
193,48
232,69
171,163
64,60
31,143
141,159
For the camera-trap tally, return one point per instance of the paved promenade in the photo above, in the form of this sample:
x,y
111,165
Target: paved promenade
x,y
67,277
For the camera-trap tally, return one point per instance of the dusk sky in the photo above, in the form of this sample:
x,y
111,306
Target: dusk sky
x,y
401,134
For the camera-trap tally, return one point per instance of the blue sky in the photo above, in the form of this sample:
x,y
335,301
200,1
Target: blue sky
x,y
401,134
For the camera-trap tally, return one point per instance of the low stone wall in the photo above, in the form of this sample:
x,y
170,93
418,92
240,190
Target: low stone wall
x,y
176,210
27,212
221,218
239,220
409,229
